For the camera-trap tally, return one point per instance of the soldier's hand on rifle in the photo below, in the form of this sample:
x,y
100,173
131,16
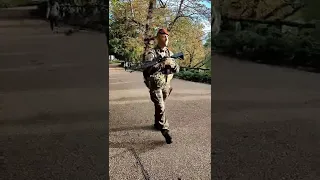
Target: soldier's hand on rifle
x,y
170,62
173,64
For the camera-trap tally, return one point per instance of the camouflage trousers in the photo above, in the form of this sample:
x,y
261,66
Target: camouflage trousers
x,y
158,97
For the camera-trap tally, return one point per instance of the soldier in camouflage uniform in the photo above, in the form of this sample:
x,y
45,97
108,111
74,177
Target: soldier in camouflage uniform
x,y
158,83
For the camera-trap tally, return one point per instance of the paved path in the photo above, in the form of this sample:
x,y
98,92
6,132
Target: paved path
x,y
139,152
53,94
265,125
265,122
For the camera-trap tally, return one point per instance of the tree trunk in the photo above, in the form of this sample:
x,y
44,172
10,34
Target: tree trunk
x,y
216,21
131,7
191,59
295,10
147,36
192,54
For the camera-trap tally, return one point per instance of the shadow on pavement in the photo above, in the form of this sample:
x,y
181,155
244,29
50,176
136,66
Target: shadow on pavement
x,y
149,127
70,155
138,146
67,31
48,117
71,31
272,148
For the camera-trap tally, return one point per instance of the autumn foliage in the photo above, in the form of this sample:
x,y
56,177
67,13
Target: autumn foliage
x,y
130,25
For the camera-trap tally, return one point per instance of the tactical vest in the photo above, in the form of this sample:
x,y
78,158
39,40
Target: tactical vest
x,y
157,80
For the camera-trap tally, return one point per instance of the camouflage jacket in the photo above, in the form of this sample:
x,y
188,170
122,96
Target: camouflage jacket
x,y
154,55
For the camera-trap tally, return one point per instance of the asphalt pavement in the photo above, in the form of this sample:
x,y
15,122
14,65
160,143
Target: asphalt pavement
x,y
54,101
139,152
265,122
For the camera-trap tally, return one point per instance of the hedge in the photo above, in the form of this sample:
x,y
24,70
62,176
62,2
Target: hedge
x,y
270,47
195,76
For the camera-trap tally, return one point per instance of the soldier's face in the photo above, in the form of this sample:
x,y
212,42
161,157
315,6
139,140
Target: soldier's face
x,y
163,39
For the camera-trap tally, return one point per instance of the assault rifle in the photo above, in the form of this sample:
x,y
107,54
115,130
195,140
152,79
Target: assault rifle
x,y
166,62
163,59
143,66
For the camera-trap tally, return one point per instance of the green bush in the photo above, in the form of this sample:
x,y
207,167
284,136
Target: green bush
x,y
269,45
192,75
189,75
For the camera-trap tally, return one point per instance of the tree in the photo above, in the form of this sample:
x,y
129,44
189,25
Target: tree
x,y
207,60
191,9
133,24
187,37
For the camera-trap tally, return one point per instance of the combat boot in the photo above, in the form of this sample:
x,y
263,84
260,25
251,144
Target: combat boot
x,y
167,136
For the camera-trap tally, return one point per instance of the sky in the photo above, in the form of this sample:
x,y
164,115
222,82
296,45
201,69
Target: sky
x,y
206,3
207,25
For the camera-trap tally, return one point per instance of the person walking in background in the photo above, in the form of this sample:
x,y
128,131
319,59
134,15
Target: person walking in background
x,y
53,10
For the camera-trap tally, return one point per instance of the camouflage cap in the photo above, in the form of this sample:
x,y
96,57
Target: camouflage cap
x,y
163,31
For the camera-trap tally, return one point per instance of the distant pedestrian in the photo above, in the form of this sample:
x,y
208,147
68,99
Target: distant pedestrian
x,y
53,10
125,65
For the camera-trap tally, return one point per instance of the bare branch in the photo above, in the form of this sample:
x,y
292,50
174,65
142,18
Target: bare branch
x,y
244,10
270,14
136,22
162,5
179,10
201,63
293,12
176,18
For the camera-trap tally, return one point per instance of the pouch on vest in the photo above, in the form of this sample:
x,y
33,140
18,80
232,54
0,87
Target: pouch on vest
x,y
156,81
